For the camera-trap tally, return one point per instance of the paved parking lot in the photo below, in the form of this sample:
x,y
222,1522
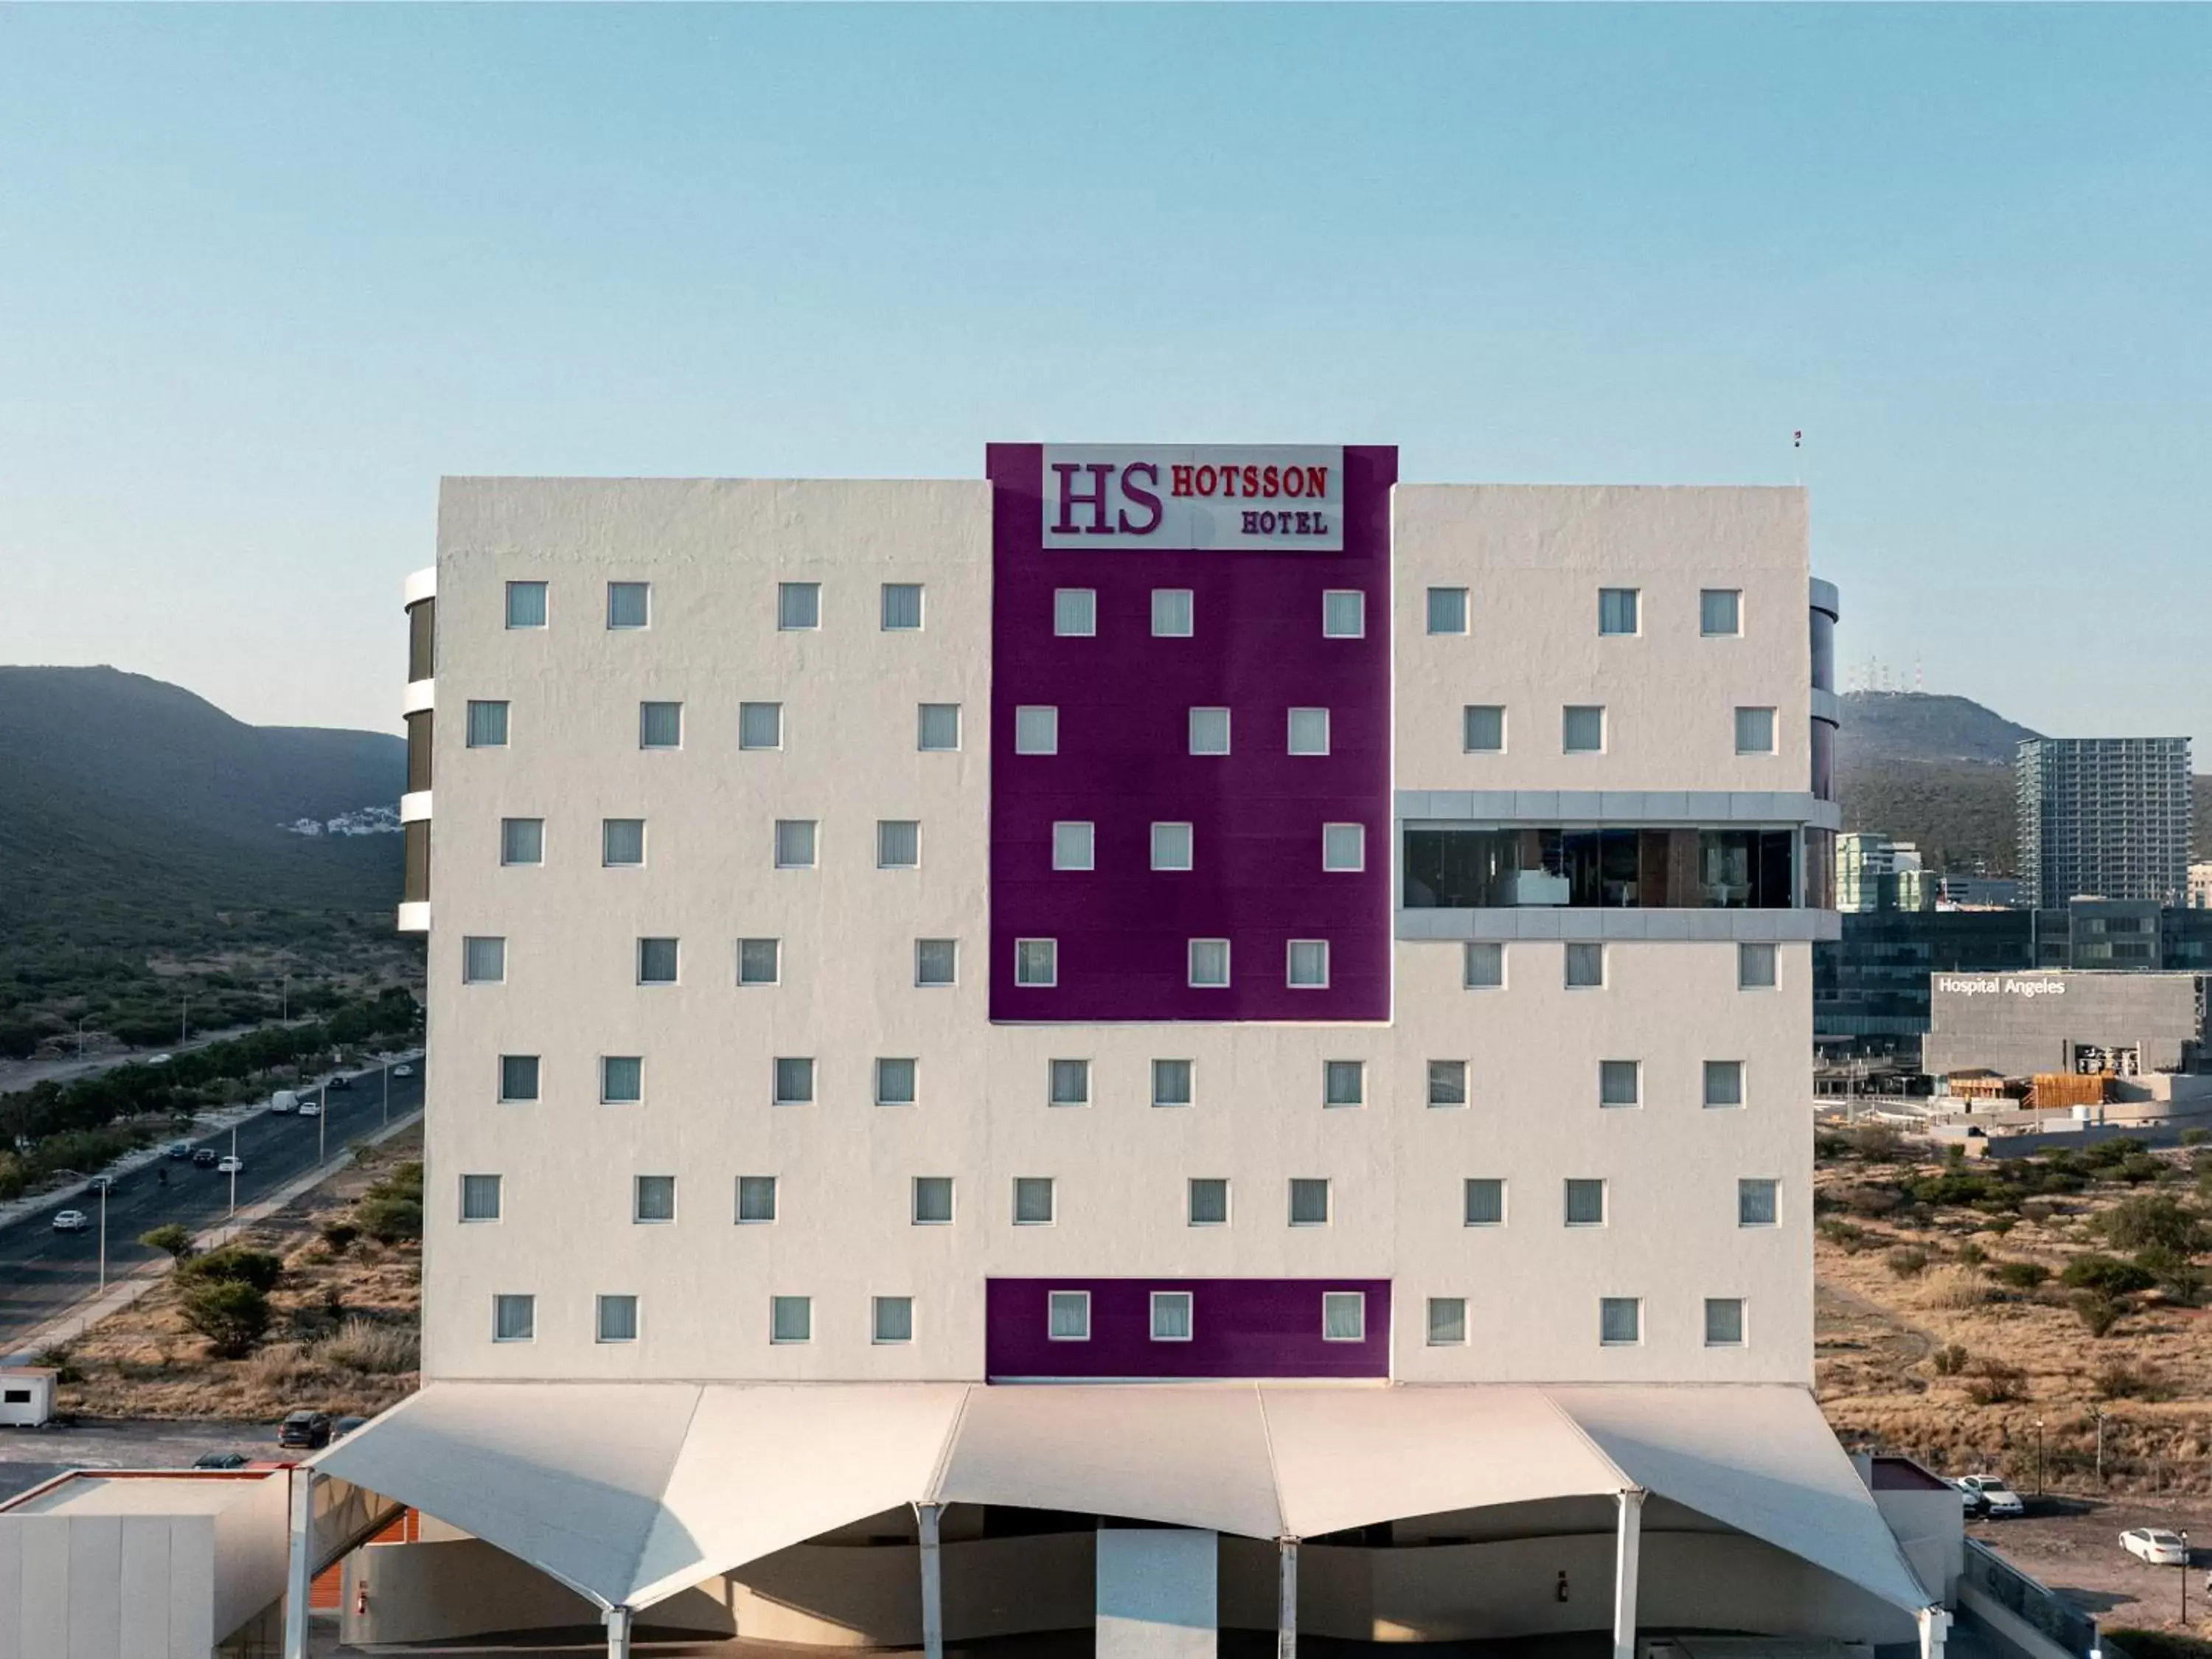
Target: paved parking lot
x,y
28,1457
2073,1545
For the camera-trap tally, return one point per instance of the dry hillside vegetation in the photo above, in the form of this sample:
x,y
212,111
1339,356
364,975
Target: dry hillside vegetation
x,y
1959,1302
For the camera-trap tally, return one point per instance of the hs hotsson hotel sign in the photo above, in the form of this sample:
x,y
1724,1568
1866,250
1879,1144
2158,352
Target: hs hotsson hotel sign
x,y
1287,497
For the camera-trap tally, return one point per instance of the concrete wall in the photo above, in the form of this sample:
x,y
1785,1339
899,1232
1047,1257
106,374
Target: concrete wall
x,y
1159,1593
459,1588
1930,1527
132,1586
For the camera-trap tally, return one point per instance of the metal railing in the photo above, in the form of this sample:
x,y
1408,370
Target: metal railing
x,y
2040,1608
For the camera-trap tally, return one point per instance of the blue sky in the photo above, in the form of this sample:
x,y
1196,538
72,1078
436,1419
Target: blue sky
x,y
266,273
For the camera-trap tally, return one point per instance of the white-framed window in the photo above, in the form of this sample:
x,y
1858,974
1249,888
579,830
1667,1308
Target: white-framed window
x,y
484,961
1073,847
937,727
518,1077
629,605
794,1080
1483,1200
1482,728
1173,613
657,961
1171,1083
514,1317
1070,1083
794,843
1755,966
525,604
760,726
1209,730
1585,1202
1309,732
1036,962
1724,1083
790,1319
1585,966
1344,614
1754,731
1308,1201
902,607
891,1319
798,607
1344,1083
1582,729
1447,610
1171,847
1036,729
486,724
660,725
1720,612
621,1080
933,1201
1306,964
1724,1321
1757,1203
1482,967
936,961
1075,612
1447,1322
1209,964
522,840
898,843
1620,1320
622,842
1343,1316
1621,1083
1617,611
760,961
1447,1083
652,1200
756,1199
1171,1316
1344,846
897,1080
1067,1316
1033,1200
1207,1201
479,1197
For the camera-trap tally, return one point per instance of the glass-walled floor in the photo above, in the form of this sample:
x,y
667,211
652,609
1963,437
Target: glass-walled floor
x,y
1591,868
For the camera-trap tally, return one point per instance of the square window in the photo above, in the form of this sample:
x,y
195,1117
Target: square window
x,y
1308,967
755,1198
514,1318
1755,966
760,961
1485,1200
522,840
1585,967
1344,614
479,1197
1171,613
1343,1316
1071,1083
622,842
797,605
1209,1201
1071,847
898,844
1036,962
1209,730
1484,966
1757,1203
936,961
794,1080
1754,731
1620,1320
1585,1203
1447,1083
895,1082
1308,1201
1447,610
1616,610
656,961
1170,1316
1446,1321
1619,1082
621,1080
760,726
1209,964
1309,732
1724,1083
938,727
1344,846
1171,847
1724,1321
484,962
1037,730
525,604
794,843
902,607
893,1318
1068,1315
1033,1200
1720,612
654,1200
1482,728
1075,612
791,1319
1581,730
629,605
1171,1083
933,1201
1344,1083
660,725
518,1077
487,725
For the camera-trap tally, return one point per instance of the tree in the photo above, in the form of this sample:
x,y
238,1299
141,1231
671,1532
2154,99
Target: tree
x,y
176,1240
2106,1276
234,1264
230,1313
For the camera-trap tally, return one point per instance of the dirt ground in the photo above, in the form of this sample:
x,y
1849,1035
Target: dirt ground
x,y
2073,1545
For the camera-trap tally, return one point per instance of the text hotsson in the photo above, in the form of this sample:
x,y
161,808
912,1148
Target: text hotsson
x,y
1959,986
1206,500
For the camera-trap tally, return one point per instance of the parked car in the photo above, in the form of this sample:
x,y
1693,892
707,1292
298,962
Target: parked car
x,y
180,1149
229,1165
71,1221
2155,1545
339,1081
311,1108
102,1183
204,1155
220,1460
342,1426
308,1430
403,1071
158,1060
1998,1498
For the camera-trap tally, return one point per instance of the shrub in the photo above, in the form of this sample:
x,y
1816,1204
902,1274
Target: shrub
x,y
176,1240
2139,1644
1958,1288
1877,1143
235,1264
2118,1380
1949,1360
230,1313
2037,1211
2153,1221
363,1345
2098,1313
1871,1200
2196,1137
2106,1276
1972,1254
1844,1236
1995,1383
2000,1224
2175,1273
339,1235
388,1219
1908,1261
2022,1275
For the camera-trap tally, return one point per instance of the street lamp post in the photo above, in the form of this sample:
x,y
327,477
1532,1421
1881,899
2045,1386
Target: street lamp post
x,y
80,1036
103,1239
2184,1578
387,1094
2039,1457
284,1003
2100,1416
234,1174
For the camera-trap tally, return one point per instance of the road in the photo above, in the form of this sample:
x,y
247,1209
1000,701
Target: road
x,y
44,1272
18,1074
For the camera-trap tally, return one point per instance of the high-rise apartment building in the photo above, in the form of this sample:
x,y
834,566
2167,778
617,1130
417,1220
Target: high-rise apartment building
x,y
2104,817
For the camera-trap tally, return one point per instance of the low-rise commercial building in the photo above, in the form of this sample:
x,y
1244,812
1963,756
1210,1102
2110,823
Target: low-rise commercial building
x,y
2019,1024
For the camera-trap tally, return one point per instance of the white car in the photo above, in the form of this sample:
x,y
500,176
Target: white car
x,y
229,1165
403,1071
71,1221
2155,1545
1997,1498
311,1108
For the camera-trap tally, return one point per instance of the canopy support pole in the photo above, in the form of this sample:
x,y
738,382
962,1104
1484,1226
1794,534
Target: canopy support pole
x,y
617,1633
1934,1627
933,1581
1286,1599
1628,1544
300,1563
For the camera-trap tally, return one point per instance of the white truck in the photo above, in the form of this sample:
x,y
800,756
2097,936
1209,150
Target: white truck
x,y
283,1101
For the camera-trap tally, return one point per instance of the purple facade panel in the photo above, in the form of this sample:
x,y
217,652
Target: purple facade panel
x,y
1123,763
1240,1327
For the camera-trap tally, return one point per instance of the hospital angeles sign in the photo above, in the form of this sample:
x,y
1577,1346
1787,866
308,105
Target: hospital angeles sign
x,y
1211,499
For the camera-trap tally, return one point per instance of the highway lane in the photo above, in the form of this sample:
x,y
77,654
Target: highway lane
x,y
44,1272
